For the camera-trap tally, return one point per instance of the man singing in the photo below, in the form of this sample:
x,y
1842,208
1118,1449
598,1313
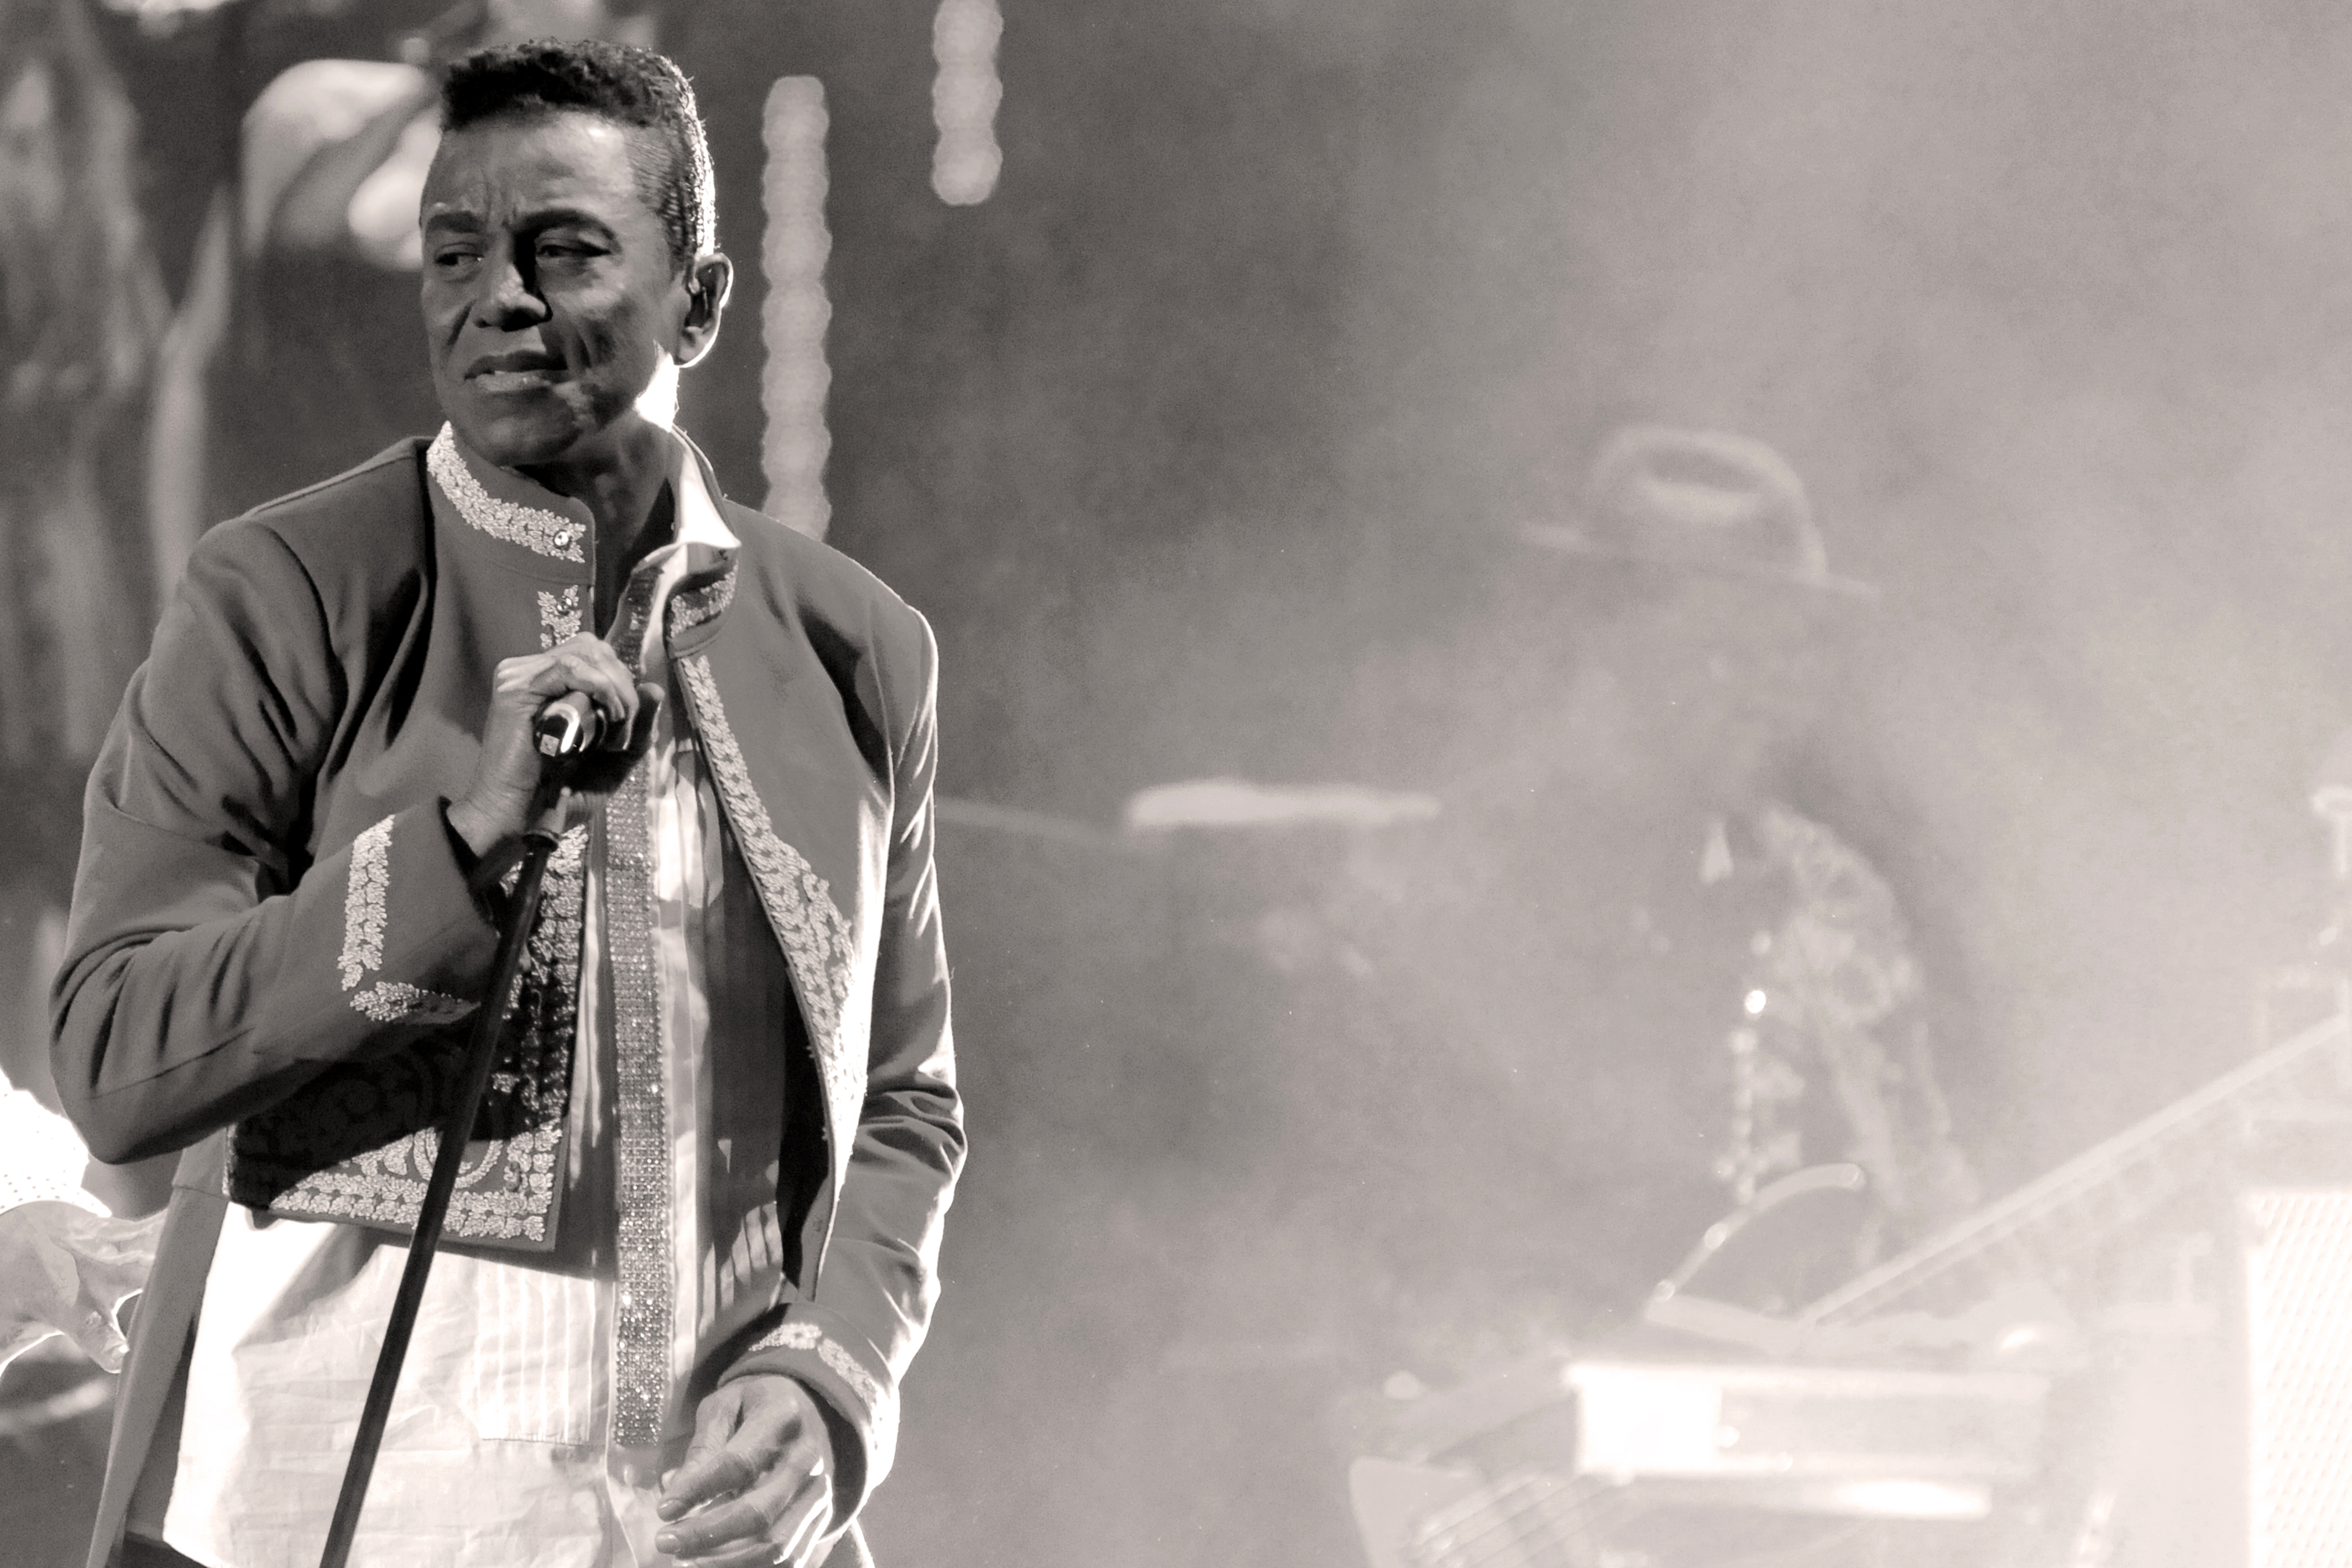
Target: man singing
x,y
695,1244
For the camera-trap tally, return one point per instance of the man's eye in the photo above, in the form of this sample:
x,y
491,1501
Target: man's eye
x,y
451,260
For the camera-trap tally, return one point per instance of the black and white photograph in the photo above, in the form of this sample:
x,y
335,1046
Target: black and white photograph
x,y
1232,783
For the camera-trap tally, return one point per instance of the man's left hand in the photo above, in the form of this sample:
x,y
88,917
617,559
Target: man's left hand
x,y
759,1472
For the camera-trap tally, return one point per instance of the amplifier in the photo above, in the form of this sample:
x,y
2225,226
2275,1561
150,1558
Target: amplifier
x,y
2298,1306
1865,1442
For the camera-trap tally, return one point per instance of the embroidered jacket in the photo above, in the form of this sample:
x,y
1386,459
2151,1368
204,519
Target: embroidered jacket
x,y
273,946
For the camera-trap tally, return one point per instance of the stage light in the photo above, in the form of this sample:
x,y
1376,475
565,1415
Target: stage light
x,y
793,253
964,96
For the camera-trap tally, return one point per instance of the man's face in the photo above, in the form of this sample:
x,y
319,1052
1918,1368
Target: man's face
x,y
1717,676
549,296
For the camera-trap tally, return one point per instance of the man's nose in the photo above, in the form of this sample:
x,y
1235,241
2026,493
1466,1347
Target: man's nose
x,y
508,299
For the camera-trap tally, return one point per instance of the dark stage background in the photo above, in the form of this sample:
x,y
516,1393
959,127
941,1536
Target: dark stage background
x,y
1202,442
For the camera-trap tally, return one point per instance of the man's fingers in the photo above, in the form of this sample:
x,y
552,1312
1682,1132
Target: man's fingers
x,y
773,1522
815,1511
715,1463
600,771
119,1273
606,681
584,664
771,1424
714,1475
723,1525
633,738
744,1554
772,1517
793,1536
94,1331
594,656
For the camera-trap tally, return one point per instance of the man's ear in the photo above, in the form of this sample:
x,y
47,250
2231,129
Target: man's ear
x,y
709,281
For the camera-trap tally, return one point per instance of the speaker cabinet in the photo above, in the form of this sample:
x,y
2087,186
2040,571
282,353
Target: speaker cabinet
x,y
2298,1339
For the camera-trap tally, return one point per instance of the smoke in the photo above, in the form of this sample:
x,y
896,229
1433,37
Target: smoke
x,y
1295,310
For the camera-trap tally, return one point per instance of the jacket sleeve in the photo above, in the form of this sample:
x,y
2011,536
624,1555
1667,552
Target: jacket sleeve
x,y
210,968
852,1338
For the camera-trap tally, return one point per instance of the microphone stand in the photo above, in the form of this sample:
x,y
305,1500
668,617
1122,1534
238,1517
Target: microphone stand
x,y
522,908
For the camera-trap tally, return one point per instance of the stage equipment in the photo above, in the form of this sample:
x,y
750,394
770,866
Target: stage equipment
x,y
1558,1466
1865,1442
1227,803
2298,1281
1584,1461
2047,1230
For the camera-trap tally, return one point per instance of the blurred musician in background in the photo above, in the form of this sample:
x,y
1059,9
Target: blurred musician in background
x,y
1627,979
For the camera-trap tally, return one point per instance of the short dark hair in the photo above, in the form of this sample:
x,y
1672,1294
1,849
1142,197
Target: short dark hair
x,y
620,82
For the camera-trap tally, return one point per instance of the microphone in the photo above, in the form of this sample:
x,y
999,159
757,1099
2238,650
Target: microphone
x,y
568,726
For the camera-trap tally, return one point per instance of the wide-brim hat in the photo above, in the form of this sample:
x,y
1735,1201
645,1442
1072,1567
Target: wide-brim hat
x,y
1699,500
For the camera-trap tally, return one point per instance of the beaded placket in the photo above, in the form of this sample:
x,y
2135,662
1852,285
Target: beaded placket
x,y
645,1304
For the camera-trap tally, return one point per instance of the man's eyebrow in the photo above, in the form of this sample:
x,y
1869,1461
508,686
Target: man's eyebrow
x,y
564,217
537,220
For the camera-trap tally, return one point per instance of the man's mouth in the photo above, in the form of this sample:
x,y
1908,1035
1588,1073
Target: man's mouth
x,y
522,371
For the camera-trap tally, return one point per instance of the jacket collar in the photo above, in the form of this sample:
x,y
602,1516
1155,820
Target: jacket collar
x,y
505,505
551,531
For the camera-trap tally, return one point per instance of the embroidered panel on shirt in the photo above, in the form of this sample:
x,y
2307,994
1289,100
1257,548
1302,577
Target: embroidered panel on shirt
x,y
537,530
645,1304
814,934
559,616
358,1144
691,608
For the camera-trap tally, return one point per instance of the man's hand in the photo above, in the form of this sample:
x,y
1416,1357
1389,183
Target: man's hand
x,y
760,1471
510,779
66,1270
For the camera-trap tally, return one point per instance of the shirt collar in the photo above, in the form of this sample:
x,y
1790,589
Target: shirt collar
x,y
699,521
